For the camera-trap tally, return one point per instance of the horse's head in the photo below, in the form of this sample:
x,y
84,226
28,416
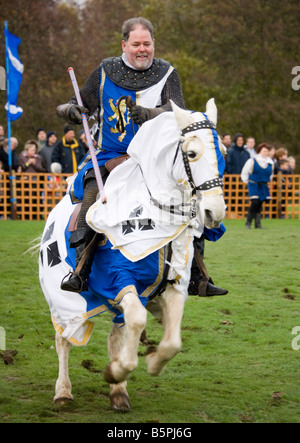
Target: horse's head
x,y
204,164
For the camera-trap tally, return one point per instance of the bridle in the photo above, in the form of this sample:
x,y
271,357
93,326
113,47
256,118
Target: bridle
x,y
209,184
205,124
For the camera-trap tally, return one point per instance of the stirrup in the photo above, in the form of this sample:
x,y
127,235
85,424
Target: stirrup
x,y
64,283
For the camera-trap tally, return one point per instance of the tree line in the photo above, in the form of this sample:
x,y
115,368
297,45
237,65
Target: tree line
x,y
239,52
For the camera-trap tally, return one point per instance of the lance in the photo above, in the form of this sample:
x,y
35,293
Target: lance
x,y
88,138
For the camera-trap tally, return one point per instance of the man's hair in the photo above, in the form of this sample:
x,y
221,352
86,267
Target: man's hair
x,y
130,24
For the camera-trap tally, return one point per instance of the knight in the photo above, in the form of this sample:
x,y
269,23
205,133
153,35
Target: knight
x,y
148,83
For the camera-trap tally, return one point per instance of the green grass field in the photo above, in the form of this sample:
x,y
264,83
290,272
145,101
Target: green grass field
x,y
237,362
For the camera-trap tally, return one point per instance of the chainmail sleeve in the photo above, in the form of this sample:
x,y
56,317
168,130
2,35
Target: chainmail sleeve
x,y
172,91
89,92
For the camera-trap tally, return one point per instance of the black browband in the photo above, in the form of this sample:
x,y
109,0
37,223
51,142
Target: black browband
x,y
204,124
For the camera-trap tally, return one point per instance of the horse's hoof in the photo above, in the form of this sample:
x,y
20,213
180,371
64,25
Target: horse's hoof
x,y
62,400
120,402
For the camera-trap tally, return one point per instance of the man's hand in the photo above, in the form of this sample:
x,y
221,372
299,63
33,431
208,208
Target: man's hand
x,y
138,114
75,112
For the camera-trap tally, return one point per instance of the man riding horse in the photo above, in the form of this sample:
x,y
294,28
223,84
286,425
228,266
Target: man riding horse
x,y
148,84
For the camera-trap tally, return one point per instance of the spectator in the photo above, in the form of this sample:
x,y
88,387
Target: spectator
x,y
292,163
250,146
14,156
2,137
226,140
237,155
280,154
29,160
47,151
83,141
284,166
68,153
257,173
272,154
41,138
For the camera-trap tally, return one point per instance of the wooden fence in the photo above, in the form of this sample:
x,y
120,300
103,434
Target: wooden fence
x,y
34,195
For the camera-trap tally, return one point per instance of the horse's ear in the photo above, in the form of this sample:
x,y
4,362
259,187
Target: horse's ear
x,y
182,116
211,111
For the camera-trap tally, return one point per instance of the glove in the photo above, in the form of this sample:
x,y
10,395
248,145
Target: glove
x,y
138,114
71,113
75,112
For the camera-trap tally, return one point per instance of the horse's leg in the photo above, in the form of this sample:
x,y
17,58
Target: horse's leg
x,y
119,398
63,387
135,316
172,303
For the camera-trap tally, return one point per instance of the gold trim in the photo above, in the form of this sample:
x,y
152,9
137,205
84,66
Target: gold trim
x,y
87,334
215,155
138,98
217,191
161,265
122,293
101,107
95,311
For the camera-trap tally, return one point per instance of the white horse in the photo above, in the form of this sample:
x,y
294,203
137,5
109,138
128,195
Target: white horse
x,y
173,189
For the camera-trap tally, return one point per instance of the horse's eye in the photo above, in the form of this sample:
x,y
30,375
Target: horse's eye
x,y
191,154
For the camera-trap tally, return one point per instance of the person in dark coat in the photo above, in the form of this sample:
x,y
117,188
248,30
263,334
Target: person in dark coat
x,y
14,155
47,151
68,152
237,155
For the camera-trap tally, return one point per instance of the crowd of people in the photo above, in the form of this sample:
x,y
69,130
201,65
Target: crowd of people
x,y
45,152
239,150
256,166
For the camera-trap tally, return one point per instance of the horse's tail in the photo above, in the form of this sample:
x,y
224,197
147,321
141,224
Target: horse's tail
x,y
35,246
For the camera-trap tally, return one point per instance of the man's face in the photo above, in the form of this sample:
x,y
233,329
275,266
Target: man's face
x,y
52,139
69,136
240,142
139,48
227,141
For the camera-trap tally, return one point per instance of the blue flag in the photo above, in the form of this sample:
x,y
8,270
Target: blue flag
x,y
14,73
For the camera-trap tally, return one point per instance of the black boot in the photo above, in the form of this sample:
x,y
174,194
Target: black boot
x,y
258,221
81,239
199,284
204,288
250,217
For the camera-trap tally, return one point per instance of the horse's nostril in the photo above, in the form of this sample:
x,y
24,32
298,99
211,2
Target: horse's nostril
x,y
208,215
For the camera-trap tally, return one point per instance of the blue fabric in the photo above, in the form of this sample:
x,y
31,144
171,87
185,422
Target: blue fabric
x,y
111,272
110,141
214,234
258,182
14,74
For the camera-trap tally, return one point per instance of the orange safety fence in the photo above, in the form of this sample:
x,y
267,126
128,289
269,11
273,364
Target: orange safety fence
x,y
34,195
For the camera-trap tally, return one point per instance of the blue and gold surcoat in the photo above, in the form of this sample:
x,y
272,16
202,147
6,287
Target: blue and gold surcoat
x,y
144,87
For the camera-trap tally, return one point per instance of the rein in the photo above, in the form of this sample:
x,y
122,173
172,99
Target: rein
x,y
120,122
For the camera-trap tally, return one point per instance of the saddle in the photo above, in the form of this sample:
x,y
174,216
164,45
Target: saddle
x,y
74,218
111,164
